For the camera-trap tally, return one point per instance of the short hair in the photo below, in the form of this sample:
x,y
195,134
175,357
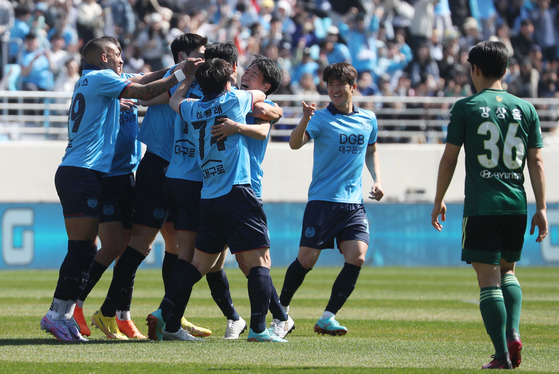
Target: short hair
x,y
187,43
94,48
491,57
226,51
341,71
114,40
213,75
271,73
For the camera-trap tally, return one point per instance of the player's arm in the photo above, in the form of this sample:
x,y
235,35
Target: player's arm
x,y
148,77
225,127
446,171
373,164
537,178
257,96
299,136
160,99
267,112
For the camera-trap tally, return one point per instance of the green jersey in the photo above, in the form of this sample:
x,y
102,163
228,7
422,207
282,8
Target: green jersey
x,y
497,129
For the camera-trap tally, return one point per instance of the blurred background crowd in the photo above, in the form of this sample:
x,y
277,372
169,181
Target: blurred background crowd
x,y
399,47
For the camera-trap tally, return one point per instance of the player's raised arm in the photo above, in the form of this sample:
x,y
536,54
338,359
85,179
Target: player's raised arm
x,y
298,136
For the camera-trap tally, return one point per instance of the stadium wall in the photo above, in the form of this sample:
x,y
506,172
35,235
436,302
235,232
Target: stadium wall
x,y
32,229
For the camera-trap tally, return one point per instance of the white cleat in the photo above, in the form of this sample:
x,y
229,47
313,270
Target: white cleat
x,y
281,328
235,328
182,334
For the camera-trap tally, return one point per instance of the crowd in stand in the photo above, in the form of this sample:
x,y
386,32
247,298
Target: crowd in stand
x,y
399,47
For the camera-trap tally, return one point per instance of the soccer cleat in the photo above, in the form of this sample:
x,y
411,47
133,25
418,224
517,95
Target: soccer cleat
x,y
155,325
182,334
281,328
107,325
514,346
80,320
193,329
501,363
329,326
62,330
264,336
129,329
235,328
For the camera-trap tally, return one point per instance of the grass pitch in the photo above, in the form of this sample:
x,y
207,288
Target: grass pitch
x,y
400,320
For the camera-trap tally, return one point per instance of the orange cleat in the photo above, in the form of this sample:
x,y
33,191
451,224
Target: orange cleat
x,y
129,329
80,320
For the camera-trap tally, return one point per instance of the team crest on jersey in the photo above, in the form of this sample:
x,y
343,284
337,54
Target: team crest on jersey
x,y
158,213
108,209
92,202
499,98
310,232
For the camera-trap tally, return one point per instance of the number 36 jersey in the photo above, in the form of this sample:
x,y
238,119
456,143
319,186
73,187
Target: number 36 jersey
x,y
93,120
497,129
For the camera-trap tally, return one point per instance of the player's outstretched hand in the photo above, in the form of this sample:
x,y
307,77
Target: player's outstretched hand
x,y
308,110
438,209
127,104
191,64
376,192
539,219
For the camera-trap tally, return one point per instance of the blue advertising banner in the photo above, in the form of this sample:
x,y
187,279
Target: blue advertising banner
x,y
32,236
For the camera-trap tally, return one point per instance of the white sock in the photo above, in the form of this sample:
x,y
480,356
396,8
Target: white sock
x,y
69,313
123,315
285,308
327,314
57,309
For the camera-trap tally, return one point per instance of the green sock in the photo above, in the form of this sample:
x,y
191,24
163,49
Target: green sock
x,y
512,293
494,315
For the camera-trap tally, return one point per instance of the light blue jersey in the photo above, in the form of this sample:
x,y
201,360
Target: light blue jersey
x,y
156,131
257,151
184,164
340,145
128,150
224,163
93,121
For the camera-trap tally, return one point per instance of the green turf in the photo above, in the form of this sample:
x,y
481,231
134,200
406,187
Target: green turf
x,y
400,320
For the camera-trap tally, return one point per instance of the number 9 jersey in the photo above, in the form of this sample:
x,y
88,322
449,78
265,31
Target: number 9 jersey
x,y
93,120
497,129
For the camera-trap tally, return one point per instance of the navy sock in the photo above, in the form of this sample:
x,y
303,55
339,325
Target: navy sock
x,y
122,283
275,306
259,293
97,270
219,287
167,268
294,277
74,271
176,298
343,287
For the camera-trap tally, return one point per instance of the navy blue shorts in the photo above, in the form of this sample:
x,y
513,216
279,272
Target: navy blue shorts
x,y
183,199
149,205
79,190
325,221
235,219
117,199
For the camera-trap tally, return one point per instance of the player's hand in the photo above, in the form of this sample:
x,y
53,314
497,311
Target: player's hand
x,y
308,110
539,219
127,104
224,127
191,64
376,192
438,209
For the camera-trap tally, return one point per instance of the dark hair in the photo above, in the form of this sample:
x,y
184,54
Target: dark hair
x,y
491,57
213,75
226,51
341,71
95,47
113,40
270,73
187,43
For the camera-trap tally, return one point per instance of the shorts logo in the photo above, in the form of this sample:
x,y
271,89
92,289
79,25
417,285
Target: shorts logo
x,y
310,232
92,202
158,213
108,210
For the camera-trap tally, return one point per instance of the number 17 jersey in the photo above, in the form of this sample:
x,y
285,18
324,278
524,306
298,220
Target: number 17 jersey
x,y
497,129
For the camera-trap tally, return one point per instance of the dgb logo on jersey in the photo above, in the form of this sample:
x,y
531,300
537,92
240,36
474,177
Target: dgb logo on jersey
x,y
310,232
358,139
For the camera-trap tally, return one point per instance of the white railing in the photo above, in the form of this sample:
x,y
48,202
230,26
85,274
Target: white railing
x,y
26,115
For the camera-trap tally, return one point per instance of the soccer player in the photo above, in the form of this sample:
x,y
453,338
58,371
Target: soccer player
x,y
500,134
344,139
262,74
230,212
150,211
92,130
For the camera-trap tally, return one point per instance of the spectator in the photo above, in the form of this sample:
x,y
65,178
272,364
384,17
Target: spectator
x,y
422,66
487,15
331,50
545,28
58,55
152,42
6,24
90,21
63,28
526,83
422,23
36,66
19,31
124,21
471,34
523,42
362,44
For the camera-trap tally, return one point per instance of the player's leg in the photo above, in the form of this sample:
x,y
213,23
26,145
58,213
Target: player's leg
x,y
512,294
295,274
169,235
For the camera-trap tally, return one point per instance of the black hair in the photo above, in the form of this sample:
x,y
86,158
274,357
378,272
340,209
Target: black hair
x,y
341,71
213,75
226,51
187,43
491,57
114,40
271,74
95,47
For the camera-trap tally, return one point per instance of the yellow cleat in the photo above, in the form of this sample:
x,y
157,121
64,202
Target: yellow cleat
x,y
194,330
107,325
129,329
